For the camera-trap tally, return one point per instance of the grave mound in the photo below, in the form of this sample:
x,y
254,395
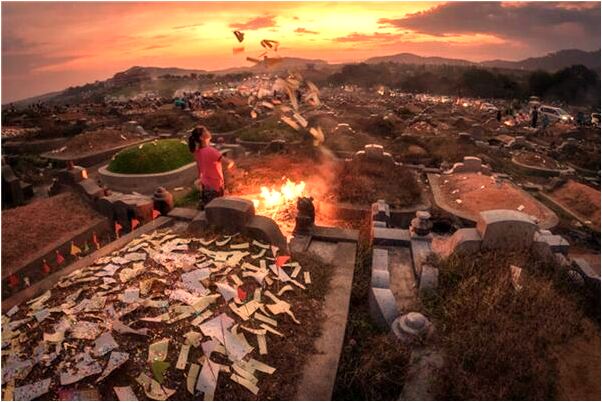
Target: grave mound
x,y
153,157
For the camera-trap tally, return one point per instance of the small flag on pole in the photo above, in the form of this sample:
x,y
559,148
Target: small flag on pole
x,y
59,258
75,250
156,214
242,295
45,267
118,228
13,281
135,223
95,241
281,260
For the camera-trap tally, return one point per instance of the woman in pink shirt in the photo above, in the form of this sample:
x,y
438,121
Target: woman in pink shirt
x,y
209,164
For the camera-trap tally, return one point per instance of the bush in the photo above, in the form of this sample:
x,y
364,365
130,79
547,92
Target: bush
x,y
269,130
496,340
153,157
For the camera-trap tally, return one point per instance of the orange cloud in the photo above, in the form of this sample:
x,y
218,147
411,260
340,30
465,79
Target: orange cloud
x,y
266,21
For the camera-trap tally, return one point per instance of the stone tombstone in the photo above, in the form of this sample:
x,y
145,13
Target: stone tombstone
x,y
381,212
412,326
421,225
230,213
505,229
11,185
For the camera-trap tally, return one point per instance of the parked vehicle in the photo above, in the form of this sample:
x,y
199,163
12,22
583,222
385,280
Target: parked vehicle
x,y
555,114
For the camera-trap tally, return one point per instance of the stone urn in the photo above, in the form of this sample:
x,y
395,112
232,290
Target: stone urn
x,y
163,200
412,327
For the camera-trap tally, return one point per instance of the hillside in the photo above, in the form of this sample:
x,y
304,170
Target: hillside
x,y
409,58
552,61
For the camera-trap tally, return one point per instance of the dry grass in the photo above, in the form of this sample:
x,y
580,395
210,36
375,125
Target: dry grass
x,y
372,365
497,341
365,183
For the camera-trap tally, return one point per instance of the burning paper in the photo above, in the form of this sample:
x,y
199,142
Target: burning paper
x,y
207,381
239,35
183,357
125,393
104,344
115,360
85,330
121,328
153,389
158,350
30,392
85,367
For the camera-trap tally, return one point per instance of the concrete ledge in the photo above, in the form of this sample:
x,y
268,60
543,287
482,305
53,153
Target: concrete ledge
x,y
335,234
63,245
391,237
35,146
383,307
539,171
320,370
549,223
183,214
148,182
45,284
90,158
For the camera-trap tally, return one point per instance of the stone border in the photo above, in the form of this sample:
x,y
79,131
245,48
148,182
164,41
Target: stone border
x,y
549,223
45,284
320,369
569,212
147,183
35,146
91,158
98,225
399,217
539,171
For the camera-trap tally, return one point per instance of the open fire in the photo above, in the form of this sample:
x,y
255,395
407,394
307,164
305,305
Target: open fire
x,y
280,204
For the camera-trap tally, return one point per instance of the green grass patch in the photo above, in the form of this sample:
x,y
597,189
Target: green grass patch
x,y
152,157
190,199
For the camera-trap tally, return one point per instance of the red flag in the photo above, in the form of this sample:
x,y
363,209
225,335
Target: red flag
x,y
156,214
281,260
118,228
45,267
242,295
135,223
13,281
59,258
95,240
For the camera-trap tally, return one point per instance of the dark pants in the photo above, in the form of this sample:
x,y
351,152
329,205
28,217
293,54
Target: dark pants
x,y
207,195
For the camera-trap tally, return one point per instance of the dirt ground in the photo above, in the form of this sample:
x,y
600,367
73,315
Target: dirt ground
x,y
579,366
27,229
537,160
480,193
580,198
98,140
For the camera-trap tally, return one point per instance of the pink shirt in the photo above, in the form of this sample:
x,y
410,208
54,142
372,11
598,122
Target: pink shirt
x,y
209,163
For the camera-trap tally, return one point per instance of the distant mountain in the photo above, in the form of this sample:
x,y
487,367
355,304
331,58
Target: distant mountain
x,y
409,58
552,61
285,63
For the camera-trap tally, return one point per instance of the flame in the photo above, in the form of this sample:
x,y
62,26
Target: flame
x,y
271,198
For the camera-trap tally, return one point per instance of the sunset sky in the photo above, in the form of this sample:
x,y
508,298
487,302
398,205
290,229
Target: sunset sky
x,y
49,46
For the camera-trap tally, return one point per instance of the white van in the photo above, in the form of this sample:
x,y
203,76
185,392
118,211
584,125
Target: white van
x,y
555,114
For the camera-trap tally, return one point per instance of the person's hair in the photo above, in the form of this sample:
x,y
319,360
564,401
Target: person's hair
x,y
195,137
